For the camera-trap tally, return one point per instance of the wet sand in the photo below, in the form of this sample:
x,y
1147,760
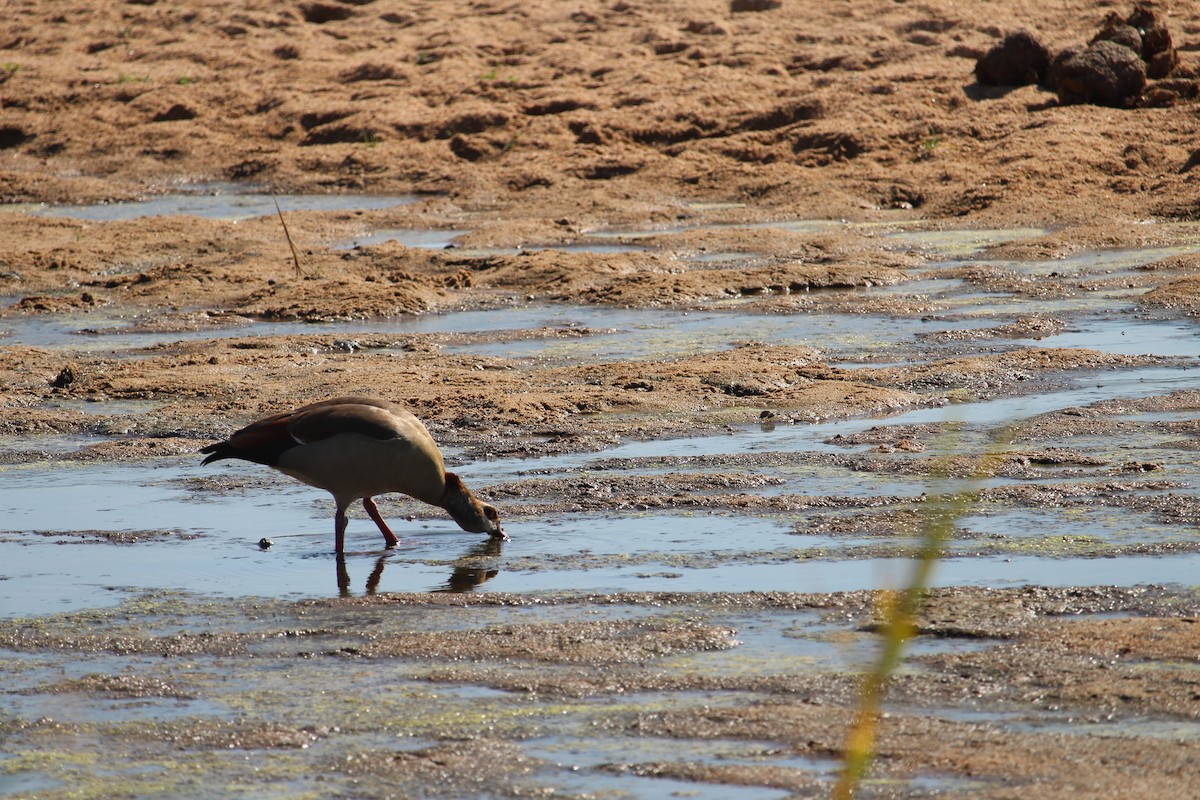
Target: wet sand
x,y
613,229
507,695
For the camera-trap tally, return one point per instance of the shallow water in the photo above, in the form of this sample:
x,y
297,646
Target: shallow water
x,y
1127,336
449,239
651,550
588,759
623,333
650,333
1129,384
951,243
206,543
215,203
1098,263
962,243
619,334
182,533
409,237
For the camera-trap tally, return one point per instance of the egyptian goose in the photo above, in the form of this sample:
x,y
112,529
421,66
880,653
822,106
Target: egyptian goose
x,y
358,447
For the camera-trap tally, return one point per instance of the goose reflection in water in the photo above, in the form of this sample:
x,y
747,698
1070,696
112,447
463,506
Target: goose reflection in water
x,y
467,571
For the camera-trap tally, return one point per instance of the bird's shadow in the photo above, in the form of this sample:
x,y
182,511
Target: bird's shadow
x,y
465,575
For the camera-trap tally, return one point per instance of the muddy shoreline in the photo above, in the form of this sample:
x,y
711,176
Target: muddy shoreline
x,y
672,668
707,300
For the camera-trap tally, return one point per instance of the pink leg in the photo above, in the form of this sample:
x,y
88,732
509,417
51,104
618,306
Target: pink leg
x,y
340,521
373,510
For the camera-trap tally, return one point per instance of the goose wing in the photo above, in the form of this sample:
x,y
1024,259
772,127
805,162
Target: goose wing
x,y
323,420
267,439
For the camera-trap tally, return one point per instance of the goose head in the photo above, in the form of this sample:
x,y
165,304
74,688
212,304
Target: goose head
x,y
468,511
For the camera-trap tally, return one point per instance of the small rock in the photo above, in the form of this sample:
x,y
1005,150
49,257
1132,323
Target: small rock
x,y
1120,32
1018,60
1171,92
1141,466
706,27
11,136
1158,51
1062,57
265,543
737,6
65,378
1105,74
321,13
174,113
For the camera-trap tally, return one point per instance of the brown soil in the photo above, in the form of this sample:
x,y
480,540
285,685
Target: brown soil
x,y
541,125
821,112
